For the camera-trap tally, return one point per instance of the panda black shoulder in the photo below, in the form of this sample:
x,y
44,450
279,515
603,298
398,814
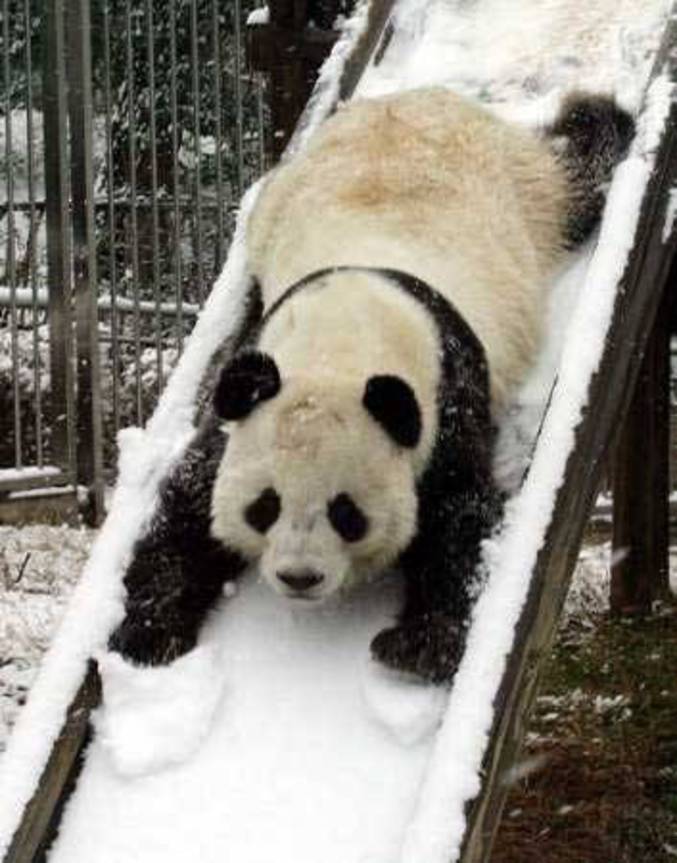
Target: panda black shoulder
x,y
464,395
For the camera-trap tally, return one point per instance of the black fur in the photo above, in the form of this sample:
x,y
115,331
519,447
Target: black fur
x,y
250,378
392,403
459,505
347,518
262,513
596,134
178,570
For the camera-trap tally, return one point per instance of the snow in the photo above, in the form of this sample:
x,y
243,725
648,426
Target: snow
x,y
670,215
278,734
96,606
282,752
258,16
521,56
519,427
25,297
17,474
39,566
156,717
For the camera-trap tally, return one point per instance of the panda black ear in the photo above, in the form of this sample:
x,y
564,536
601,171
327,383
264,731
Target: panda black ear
x,y
249,379
392,403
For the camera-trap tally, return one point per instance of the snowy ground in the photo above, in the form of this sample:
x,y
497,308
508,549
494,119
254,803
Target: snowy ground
x,y
39,566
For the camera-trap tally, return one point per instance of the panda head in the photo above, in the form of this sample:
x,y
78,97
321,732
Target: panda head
x,y
317,479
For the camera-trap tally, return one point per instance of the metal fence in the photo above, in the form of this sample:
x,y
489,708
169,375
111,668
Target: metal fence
x,y
130,130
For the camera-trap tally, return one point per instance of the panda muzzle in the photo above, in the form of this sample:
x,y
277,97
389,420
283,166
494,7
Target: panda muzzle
x,y
300,581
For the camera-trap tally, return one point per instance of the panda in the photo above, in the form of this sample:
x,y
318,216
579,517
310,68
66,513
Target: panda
x,y
399,270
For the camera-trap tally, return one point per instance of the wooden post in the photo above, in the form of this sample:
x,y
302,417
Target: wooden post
x,y
57,209
89,455
641,479
291,53
41,817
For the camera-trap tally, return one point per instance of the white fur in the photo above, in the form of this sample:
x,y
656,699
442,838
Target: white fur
x,y
309,443
424,182
432,184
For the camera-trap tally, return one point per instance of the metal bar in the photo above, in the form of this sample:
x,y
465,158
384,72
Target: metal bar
x,y
261,123
102,203
237,72
197,187
89,439
27,478
58,240
11,252
173,98
155,227
43,812
110,205
33,238
133,214
218,251
148,341
105,303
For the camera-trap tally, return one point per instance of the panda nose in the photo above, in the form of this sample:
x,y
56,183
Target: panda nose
x,y
301,581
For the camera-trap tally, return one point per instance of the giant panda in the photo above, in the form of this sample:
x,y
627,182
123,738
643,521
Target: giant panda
x,y
400,266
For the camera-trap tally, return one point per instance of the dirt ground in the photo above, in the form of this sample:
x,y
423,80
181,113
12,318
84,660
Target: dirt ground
x,y
602,747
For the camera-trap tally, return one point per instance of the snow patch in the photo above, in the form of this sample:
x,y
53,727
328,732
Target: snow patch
x,y
152,718
670,214
258,17
408,710
512,56
294,763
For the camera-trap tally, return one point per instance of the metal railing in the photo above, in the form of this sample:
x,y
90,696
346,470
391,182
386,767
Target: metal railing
x,y
130,130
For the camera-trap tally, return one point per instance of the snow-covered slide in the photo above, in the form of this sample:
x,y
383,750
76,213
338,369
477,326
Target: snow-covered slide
x,y
296,747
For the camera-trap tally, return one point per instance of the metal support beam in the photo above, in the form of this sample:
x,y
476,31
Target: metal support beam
x,y
641,479
89,458
58,238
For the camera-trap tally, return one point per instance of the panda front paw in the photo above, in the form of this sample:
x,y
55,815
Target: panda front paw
x,y
429,647
142,644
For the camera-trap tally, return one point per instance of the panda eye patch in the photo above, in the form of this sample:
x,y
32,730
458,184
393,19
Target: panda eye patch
x,y
347,518
262,513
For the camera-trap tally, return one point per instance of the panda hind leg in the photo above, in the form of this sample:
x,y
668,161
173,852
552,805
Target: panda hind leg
x,y
590,137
